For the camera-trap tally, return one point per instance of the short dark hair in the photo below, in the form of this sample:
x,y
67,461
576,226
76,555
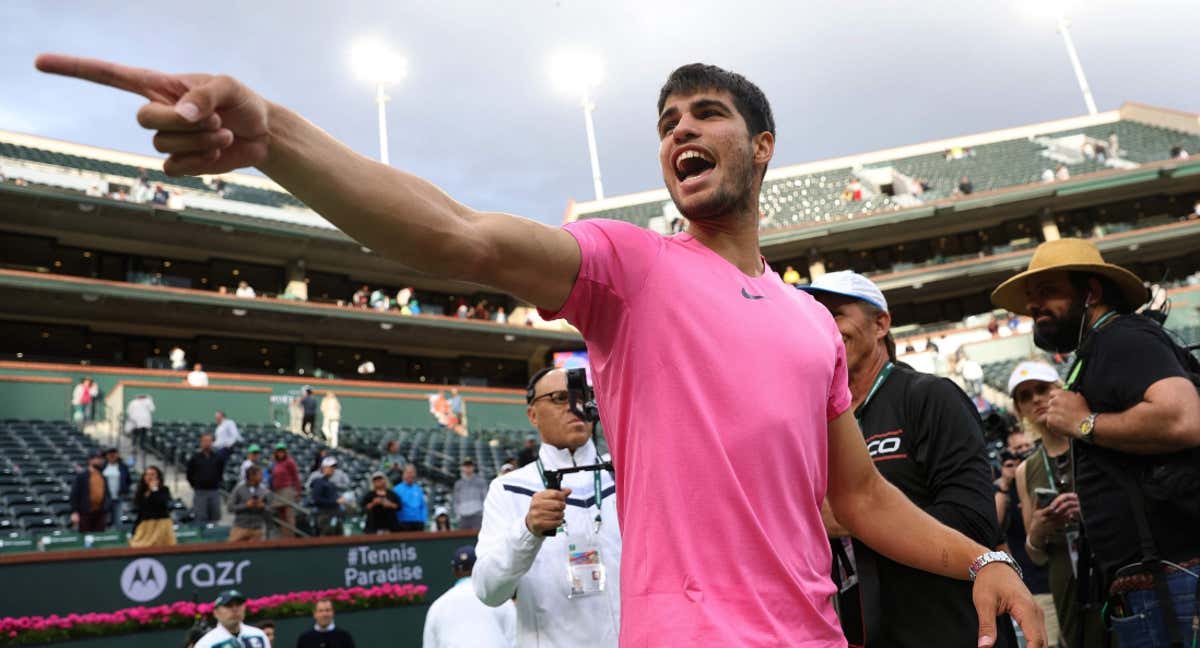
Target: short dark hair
x,y
262,625
253,470
749,100
1111,294
537,377
323,599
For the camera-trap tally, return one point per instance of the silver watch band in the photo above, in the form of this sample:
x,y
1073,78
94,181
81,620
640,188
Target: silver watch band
x,y
991,557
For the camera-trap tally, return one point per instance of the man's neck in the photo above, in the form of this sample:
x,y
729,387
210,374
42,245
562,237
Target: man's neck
x,y
734,237
234,629
1094,314
863,375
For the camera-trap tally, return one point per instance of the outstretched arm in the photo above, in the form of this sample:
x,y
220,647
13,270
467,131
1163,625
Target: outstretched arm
x,y
873,511
213,124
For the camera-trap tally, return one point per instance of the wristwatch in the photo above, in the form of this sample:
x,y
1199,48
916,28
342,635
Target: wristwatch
x,y
991,557
1086,427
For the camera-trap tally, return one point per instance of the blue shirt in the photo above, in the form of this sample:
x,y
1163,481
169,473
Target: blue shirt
x,y
412,503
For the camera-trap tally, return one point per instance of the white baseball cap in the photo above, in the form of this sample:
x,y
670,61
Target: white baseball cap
x,y
328,461
1032,370
848,283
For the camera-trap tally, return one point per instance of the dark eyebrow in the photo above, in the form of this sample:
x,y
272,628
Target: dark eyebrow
x,y
668,113
696,105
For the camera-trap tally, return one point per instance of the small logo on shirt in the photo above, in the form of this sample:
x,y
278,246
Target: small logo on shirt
x,y
883,447
749,296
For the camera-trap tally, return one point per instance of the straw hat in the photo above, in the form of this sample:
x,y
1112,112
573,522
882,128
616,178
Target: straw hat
x,y
1064,255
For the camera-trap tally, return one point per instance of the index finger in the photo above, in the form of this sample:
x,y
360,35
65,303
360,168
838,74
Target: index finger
x,y
122,77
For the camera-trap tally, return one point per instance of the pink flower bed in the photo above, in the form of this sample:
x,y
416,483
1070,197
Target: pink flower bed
x,y
21,631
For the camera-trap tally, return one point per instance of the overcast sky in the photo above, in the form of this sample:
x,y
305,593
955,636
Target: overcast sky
x,y
479,115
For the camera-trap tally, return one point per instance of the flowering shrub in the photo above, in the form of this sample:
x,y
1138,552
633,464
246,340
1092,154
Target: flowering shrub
x,y
24,631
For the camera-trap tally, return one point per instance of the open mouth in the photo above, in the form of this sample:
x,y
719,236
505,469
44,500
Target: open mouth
x,y
692,164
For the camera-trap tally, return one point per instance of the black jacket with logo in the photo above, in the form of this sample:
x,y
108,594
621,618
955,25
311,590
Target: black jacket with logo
x,y
926,438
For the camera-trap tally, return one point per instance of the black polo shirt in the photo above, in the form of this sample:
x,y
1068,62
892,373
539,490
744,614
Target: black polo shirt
x,y
1120,361
926,438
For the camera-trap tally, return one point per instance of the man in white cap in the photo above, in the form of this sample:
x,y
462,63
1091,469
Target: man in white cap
x,y
458,619
925,437
327,499
1049,508
230,610
1132,412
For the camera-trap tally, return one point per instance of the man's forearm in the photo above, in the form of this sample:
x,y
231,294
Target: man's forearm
x,y
398,214
873,513
1145,428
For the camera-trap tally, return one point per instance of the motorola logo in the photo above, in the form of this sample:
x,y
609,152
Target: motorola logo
x,y
143,580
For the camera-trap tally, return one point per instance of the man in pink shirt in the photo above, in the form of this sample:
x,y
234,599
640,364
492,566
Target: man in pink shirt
x,y
723,390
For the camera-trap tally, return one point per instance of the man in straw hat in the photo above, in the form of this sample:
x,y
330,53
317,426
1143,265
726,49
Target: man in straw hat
x,y
1132,413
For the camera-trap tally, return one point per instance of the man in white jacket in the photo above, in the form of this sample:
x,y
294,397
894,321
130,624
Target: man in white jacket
x,y
567,586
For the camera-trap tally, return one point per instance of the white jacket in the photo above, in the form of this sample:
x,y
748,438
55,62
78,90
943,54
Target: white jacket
x,y
510,560
458,620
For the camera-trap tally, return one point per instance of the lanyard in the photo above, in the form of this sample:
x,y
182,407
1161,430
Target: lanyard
x,y
883,375
1078,365
598,497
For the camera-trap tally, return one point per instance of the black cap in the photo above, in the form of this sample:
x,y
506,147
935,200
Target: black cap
x,y
229,597
464,558
108,450
468,461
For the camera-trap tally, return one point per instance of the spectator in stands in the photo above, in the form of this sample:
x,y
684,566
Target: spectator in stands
x,y
462,312
250,504
308,405
139,417
414,306
926,438
327,499
361,297
993,327
178,358
205,471
441,519
338,476
245,291
1062,173
380,505
1178,153
516,555
790,276
268,629
227,435
1047,175
930,345
469,492
331,418
83,400
509,465
1050,519
197,378
285,486
161,195
253,454
393,462
152,505
1088,150
324,634
116,477
403,296
413,513
456,403
501,317
459,618
853,191
230,611
379,300
1130,407
529,453
90,501
965,186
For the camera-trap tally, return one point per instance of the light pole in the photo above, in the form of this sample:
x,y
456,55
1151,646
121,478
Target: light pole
x,y
1064,28
578,73
374,62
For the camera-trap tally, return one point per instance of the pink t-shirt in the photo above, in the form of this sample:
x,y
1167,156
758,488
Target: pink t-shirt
x,y
715,392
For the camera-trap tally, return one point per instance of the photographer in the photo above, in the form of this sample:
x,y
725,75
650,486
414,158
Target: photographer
x,y
1018,446
1132,413
516,557
250,504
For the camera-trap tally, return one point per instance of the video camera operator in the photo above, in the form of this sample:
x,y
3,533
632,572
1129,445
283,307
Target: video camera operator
x,y
1130,407
568,585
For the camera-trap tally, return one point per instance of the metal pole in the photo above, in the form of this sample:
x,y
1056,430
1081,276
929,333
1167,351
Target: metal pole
x,y
381,99
588,107
1064,29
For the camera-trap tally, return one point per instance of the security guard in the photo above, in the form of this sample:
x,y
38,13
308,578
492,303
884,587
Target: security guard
x,y
567,586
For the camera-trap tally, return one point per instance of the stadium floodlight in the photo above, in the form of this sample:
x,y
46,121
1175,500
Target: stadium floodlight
x,y
374,62
1058,9
578,73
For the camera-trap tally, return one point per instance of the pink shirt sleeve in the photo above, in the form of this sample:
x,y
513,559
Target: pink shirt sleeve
x,y
839,387
615,259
